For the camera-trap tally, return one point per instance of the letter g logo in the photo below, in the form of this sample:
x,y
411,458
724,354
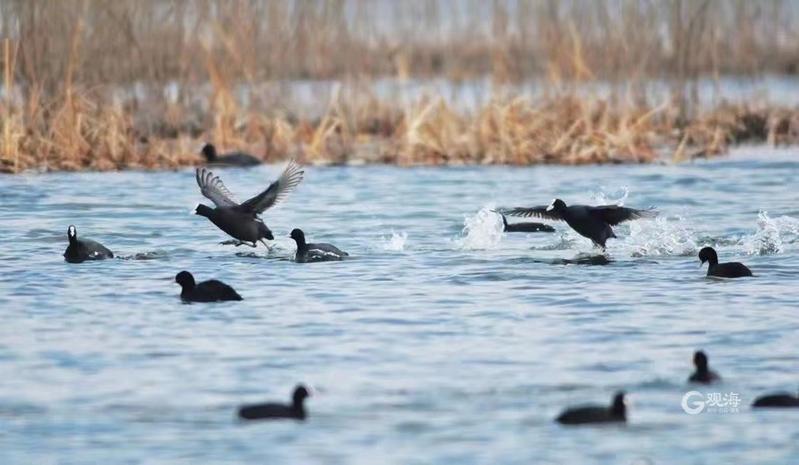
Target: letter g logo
x,y
693,407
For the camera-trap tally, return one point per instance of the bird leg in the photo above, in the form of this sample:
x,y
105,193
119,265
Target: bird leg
x,y
266,245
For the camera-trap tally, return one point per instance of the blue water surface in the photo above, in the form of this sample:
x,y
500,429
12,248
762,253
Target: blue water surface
x,y
441,341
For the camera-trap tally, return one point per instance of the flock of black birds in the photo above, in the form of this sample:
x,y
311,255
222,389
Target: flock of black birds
x,y
243,223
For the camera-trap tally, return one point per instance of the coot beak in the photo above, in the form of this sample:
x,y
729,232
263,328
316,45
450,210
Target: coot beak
x,y
551,207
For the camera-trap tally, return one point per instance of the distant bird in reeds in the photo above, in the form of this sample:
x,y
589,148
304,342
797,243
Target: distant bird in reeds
x,y
80,250
276,411
589,221
321,252
206,291
231,159
242,221
703,373
722,270
525,227
615,413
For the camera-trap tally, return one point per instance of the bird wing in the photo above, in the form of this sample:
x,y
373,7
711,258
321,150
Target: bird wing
x,y
214,189
276,191
614,214
539,212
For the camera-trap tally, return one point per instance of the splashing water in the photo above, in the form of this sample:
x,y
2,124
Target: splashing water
x,y
394,243
481,231
771,235
662,235
611,198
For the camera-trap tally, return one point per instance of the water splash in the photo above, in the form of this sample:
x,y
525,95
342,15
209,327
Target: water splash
x,y
395,243
663,235
611,198
481,231
772,235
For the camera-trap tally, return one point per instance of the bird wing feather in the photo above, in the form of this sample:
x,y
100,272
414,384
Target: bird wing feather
x,y
214,189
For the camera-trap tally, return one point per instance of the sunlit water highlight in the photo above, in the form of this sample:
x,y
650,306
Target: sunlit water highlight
x,y
442,339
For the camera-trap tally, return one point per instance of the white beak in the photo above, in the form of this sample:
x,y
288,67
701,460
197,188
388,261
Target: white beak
x,y
551,207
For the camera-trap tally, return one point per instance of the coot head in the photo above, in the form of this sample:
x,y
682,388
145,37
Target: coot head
x,y
557,205
707,254
300,394
700,360
298,235
619,405
72,234
209,151
185,279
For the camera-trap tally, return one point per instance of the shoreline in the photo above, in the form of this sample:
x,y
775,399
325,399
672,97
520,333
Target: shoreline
x,y
85,135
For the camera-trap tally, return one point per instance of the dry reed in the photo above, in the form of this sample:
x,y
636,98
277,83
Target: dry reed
x,y
100,84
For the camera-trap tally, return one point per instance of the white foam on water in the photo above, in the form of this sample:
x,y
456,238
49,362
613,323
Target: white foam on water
x,y
662,235
394,243
772,235
481,231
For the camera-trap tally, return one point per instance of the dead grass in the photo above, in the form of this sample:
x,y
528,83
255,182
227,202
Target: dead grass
x,y
69,67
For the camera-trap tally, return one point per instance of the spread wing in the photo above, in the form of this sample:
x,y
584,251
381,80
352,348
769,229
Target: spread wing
x,y
214,189
276,191
614,214
538,212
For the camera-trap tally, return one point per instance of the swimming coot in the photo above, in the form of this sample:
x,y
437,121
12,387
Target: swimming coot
x,y
275,411
777,400
703,374
307,253
721,270
617,412
591,222
525,227
206,291
230,159
80,250
242,221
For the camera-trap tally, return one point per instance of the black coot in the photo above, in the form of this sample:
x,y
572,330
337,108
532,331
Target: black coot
x,y
231,159
525,227
722,270
275,411
206,291
616,412
80,250
321,252
777,400
591,222
703,373
242,221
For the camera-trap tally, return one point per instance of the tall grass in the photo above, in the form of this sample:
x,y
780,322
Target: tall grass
x,y
104,84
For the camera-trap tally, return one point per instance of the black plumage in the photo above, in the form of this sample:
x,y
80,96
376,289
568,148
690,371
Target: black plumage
x,y
722,270
320,252
703,373
777,400
615,413
80,250
230,159
593,222
525,227
206,291
276,411
242,221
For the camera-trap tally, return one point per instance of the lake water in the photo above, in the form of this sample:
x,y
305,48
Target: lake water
x,y
442,340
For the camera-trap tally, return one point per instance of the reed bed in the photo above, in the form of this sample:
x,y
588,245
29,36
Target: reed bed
x,y
107,85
